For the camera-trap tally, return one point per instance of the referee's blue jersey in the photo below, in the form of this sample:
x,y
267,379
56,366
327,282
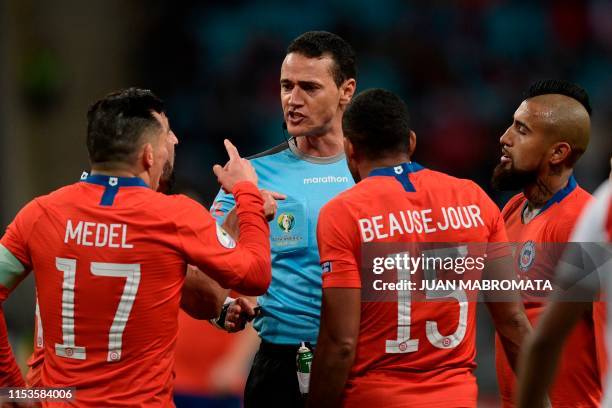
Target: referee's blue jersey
x,y
291,306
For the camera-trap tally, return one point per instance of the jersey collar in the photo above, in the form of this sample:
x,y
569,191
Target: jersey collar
x,y
112,181
399,172
557,197
111,185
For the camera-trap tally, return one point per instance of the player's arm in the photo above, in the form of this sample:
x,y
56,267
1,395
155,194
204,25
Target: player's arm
x,y
583,266
335,352
245,266
230,223
541,355
10,375
11,272
507,311
337,238
202,297
15,264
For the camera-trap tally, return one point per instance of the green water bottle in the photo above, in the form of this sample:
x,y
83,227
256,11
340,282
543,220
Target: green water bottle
x,y
304,363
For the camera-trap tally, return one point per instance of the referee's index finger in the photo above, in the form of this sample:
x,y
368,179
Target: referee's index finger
x,y
232,152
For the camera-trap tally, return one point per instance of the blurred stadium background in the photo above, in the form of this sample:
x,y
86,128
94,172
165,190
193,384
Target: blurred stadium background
x,y
461,66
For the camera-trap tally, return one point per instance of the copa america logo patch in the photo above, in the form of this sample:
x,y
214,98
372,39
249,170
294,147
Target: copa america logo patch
x,y
527,256
224,238
286,221
326,267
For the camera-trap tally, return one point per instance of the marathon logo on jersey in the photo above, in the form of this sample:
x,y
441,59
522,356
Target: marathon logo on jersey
x,y
326,267
326,179
527,256
224,238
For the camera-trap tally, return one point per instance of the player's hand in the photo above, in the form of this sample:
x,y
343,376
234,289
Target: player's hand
x,y
270,205
239,313
235,170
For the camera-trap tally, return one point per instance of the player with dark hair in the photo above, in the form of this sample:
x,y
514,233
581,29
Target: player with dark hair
x,y
109,256
586,265
549,133
317,81
394,353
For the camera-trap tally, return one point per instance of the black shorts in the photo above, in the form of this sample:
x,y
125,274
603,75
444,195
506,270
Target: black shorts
x,y
273,381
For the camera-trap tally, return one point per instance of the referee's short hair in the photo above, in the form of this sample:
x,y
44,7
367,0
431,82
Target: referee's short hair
x,y
314,44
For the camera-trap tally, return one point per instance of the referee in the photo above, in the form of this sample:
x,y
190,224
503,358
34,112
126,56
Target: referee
x,y
317,82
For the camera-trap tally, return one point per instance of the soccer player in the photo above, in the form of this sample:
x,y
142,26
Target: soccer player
x,y
201,298
401,353
317,81
109,256
539,360
549,133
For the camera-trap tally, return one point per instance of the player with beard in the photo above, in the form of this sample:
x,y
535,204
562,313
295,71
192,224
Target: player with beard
x,y
549,133
109,256
201,297
317,81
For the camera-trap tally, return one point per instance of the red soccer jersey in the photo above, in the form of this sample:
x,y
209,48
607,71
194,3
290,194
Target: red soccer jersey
x,y
36,359
10,376
578,379
109,257
418,354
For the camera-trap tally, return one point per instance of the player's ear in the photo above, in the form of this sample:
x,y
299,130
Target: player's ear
x,y
412,141
148,156
349,150
560,152
347,90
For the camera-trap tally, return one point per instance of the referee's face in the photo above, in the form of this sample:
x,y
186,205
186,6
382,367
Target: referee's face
x,y
310,98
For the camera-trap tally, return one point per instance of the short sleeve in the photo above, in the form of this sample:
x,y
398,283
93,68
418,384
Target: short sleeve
x,y
221,206
17,234
338,242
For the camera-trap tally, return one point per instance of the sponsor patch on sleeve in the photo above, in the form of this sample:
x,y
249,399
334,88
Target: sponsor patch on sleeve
x,y
326,266
224,238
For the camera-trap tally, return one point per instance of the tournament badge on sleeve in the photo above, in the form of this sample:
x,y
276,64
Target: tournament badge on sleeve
x,y
224,238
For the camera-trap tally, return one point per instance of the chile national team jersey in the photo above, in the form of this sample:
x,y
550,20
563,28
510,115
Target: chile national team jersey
x,y
409,354
291,306
109,257
593,233
578,379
